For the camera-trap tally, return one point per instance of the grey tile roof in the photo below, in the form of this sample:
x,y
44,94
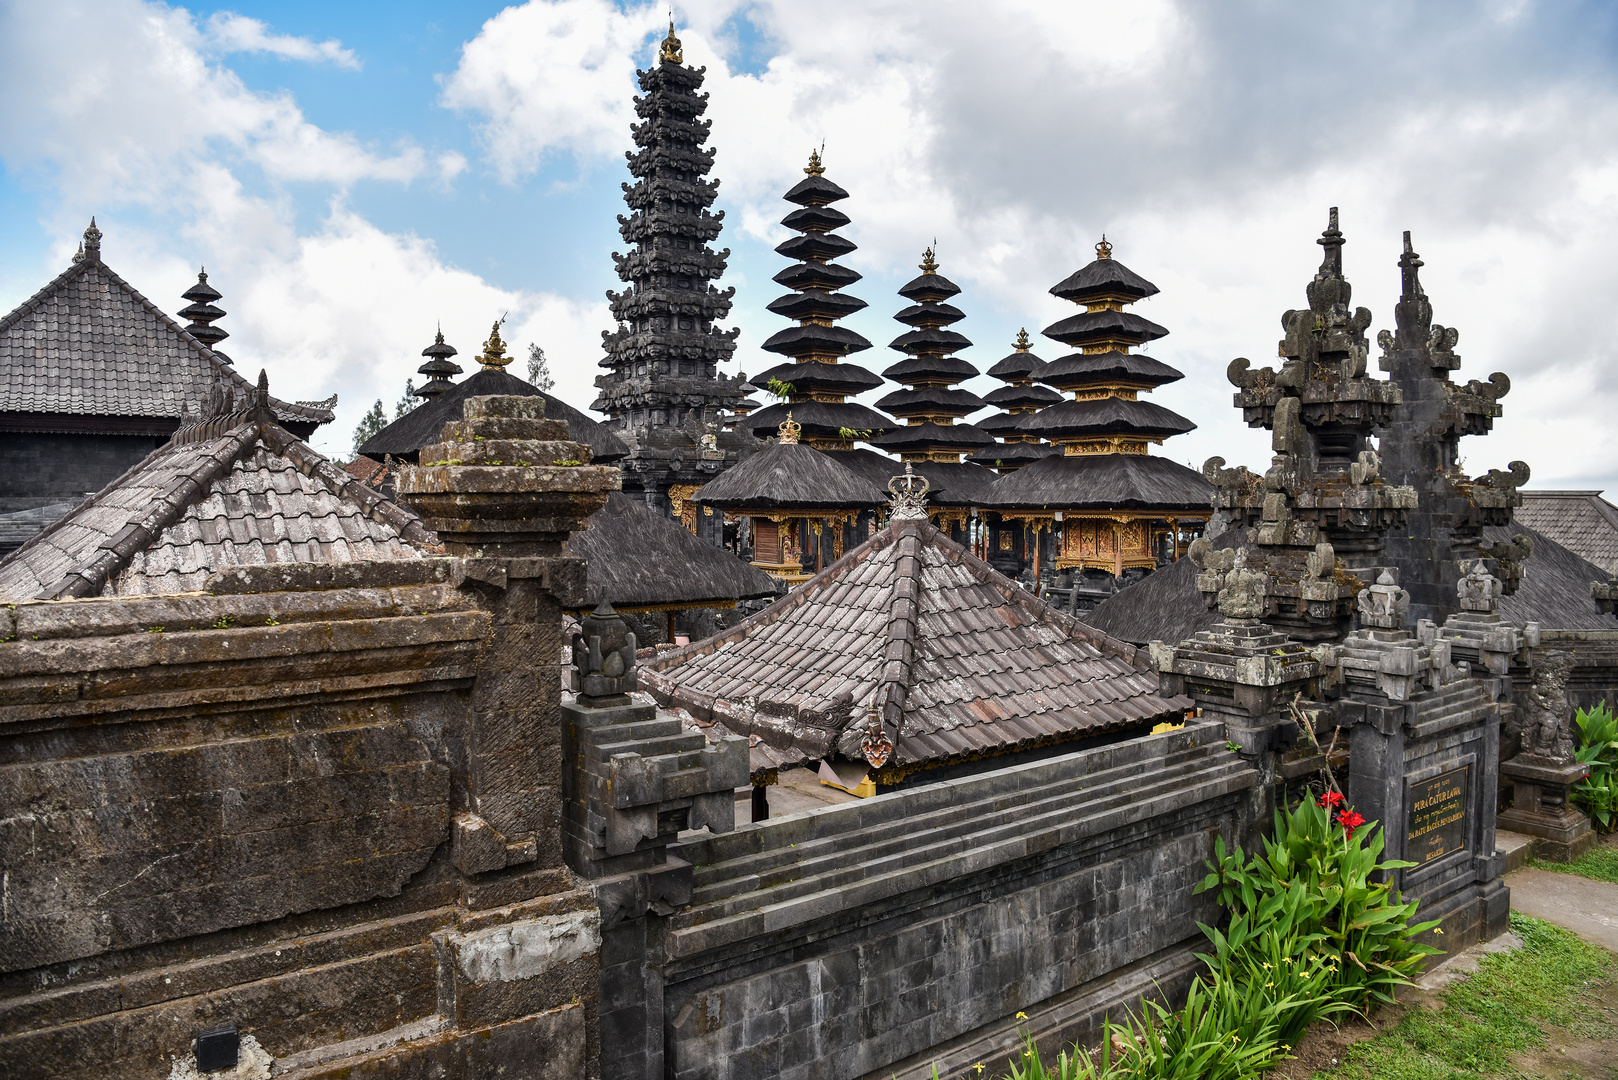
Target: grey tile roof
x,y
1581,521
89,344
249,495
960,659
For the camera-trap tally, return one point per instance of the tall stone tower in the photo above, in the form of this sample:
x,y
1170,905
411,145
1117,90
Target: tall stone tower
x,y
662,388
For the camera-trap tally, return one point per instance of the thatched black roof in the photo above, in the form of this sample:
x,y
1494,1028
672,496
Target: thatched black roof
x,y
640,559
1103,278
956,483
789,476
1103,481
419,427
1166,606
1163,606
1104,416
1113,366
1555,587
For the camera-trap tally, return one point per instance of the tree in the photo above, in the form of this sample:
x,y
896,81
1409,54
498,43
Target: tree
x,y
371,423
408,401
539,369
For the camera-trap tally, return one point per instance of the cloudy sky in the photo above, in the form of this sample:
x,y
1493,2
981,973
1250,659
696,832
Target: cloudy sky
x,y
351,174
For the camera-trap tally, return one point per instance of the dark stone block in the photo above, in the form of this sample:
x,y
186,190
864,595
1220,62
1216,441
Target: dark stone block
x,y
217,1048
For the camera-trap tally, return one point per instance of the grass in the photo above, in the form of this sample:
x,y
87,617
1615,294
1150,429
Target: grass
x,y
1500,1012
1600,863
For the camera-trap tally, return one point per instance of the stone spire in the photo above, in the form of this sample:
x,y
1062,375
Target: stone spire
x,y
91,248
816,382
439,367
1324,495
932,403
1018,399
1420,447
662,361
202,312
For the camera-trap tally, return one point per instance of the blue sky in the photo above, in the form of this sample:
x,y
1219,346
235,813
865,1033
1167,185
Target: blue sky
x,y
352,173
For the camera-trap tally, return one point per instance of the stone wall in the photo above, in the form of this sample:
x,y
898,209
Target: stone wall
x,y
39,468
251,807
878,937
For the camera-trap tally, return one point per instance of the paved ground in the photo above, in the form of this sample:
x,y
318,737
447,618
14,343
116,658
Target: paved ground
x,y
798,789
1588,908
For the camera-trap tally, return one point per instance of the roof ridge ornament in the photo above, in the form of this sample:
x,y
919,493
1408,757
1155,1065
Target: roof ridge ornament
x,y
670,50
92,242
494,356
789,431
1022,344
815,168
1103,249
928,264
909,502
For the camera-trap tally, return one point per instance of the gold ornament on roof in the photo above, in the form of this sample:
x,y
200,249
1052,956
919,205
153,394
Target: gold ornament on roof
x,y
789,431
815,167
929,265
670,52
1103,249
1023,344
494,356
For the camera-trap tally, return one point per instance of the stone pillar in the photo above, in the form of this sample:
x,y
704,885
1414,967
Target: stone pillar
x,y
632,782
517,968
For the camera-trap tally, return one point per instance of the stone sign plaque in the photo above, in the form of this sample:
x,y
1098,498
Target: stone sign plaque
x,y
1438,822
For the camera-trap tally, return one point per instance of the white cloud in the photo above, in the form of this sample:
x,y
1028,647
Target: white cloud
x,y
549,77
137,126
228,32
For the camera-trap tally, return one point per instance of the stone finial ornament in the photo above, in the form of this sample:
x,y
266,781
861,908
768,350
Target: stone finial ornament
x,y
92,242
1384,604
1547,722
814,168
1103,249
909,502
604,656
203,313
1479,590
788,431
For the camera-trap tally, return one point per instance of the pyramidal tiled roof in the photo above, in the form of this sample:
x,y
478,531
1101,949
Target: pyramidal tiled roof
x,y
89,344
957,659
1581,521
236,490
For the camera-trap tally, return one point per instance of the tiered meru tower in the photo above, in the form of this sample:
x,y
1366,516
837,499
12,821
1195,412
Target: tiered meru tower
x,y
932,402
1114,509
662,388
1017,400
816,383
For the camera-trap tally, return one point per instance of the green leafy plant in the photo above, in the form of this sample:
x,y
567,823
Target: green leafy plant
x,y
852,433
223,622
568,461
781,390
1597,794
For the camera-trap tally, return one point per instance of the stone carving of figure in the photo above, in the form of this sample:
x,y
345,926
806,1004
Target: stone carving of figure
x,y
1245,592
1547,726
1479,589
604,654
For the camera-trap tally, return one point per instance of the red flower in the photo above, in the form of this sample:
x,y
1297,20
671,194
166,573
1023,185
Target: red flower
x,y
1331,798
1349,820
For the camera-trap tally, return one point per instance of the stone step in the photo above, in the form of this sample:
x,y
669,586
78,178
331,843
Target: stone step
x,y
791,871
844,869
784,841
682,743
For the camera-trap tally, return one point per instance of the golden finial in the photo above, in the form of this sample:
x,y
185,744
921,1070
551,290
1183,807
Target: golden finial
x,y
928,264
1023,344
670,51
494,356
1103,249
789,431
815,167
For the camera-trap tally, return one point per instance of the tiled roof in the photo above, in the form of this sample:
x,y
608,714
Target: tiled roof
x,y
957,659
89,344
243,492
1581,521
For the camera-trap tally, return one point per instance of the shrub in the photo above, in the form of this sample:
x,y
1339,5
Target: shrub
x,y
1597,794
